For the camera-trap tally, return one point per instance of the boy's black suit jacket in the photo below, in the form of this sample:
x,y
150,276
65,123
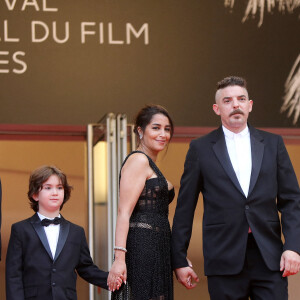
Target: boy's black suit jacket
x,y
31,271
228,213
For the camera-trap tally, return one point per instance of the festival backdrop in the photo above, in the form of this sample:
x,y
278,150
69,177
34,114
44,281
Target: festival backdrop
x,y
72,61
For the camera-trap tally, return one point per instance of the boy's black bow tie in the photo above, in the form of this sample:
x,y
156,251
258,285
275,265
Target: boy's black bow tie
x,y
47,222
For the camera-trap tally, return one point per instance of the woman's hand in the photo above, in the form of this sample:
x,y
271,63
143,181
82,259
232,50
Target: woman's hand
x,y
117,275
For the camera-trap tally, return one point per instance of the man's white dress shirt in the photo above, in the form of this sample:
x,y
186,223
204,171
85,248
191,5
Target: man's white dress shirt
x,y
239,150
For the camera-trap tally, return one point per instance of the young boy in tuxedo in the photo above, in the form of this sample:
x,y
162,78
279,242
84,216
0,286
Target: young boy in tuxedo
x,y
45,250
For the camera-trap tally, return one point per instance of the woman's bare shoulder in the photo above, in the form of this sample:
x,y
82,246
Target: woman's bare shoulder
x,y
136,162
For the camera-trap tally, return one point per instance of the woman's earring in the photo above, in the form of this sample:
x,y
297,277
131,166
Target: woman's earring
x,y
141,135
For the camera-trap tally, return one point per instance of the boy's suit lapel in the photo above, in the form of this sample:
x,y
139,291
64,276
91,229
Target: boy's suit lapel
x,y
63,234
36,223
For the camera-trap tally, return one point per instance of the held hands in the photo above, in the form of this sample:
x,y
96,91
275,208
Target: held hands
x,y
289,263
186,276
117,275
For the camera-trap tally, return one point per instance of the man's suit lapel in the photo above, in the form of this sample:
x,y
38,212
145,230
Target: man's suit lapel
x,y
257,152
221,152
36,223
63,234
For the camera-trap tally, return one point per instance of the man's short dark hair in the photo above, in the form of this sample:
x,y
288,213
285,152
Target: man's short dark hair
x,y
39,176
231,81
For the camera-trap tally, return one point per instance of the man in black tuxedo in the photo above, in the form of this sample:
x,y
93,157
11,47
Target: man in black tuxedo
x,y
246,177
43,254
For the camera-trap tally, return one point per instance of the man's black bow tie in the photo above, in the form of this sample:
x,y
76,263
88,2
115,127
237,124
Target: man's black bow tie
x,y
47,222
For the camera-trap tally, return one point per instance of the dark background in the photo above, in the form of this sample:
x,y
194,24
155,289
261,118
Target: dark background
x,y
192,45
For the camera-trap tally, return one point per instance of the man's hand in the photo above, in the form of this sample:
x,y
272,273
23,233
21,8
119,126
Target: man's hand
x,y
289,263
186,276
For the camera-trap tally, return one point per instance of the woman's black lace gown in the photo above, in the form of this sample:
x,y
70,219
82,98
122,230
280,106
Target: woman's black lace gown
x,y
148,260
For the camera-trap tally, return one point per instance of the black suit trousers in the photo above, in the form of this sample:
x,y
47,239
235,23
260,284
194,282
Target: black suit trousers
x,y
256,281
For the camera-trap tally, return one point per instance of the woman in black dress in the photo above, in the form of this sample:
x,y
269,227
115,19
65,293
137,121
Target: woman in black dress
x,y
142,251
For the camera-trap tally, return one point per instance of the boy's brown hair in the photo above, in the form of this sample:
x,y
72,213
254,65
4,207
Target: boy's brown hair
x,y
39,176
